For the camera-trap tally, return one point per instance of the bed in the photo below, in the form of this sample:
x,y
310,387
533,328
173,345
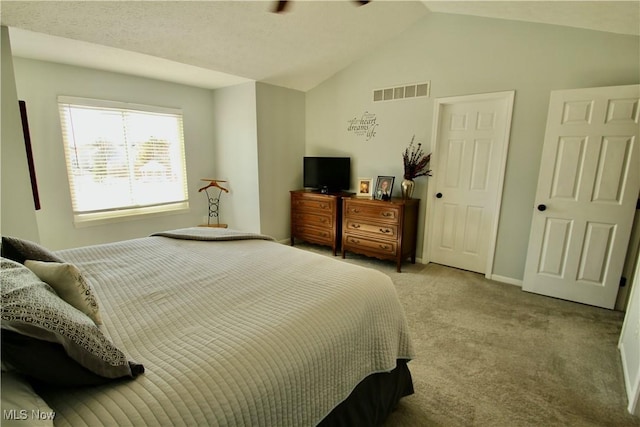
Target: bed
x,y
220,327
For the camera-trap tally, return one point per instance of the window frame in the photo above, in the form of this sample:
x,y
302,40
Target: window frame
x,y
131,212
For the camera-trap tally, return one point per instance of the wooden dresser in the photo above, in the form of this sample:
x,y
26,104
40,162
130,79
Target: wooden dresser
x,y
381,229
316,217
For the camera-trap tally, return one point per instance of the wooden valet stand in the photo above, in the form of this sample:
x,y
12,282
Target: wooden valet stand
x,y
214,201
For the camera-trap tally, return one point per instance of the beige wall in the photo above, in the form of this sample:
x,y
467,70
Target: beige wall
x,y
235,143
259,145
17,212
243,133
463,55
39,83
281,121
256,146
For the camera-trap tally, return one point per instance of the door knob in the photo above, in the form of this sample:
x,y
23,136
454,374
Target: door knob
x,y
439,195
542,208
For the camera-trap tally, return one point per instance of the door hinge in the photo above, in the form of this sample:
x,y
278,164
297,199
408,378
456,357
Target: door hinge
x,y
623,282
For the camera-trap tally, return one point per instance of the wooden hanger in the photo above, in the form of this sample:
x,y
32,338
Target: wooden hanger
x,y
213,183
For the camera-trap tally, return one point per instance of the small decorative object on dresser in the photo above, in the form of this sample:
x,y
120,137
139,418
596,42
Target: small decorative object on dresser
x,y
415,165
384,187
365,187
381,229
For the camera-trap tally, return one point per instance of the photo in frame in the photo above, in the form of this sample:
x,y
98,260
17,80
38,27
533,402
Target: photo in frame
x,y
384,188
365,187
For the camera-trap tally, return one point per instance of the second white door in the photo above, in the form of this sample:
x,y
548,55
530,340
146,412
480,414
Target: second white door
x,y
586,197
471,140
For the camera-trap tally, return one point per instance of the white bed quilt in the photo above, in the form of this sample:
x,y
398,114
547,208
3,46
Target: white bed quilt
x,y
240,332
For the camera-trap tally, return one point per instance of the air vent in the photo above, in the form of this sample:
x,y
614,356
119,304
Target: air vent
x,y
413,90
422,89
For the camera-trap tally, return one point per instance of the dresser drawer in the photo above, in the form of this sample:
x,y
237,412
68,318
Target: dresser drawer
x,y
377,231
313,204
381,229
317,217
380,211
314,234
313,219
357,244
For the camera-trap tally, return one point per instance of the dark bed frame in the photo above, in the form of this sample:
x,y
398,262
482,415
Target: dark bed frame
x,y
371,402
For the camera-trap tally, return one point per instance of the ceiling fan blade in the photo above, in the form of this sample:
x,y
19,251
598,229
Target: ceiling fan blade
x,y
281,6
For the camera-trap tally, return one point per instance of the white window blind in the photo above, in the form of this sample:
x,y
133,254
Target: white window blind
x,y
122,159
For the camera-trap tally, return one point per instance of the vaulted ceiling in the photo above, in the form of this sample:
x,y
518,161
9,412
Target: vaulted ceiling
x,y
219,43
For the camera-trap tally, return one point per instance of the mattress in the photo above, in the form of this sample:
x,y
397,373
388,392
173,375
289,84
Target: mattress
x,y
232,331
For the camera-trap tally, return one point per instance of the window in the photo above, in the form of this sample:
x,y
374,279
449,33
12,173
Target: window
x,y
122,159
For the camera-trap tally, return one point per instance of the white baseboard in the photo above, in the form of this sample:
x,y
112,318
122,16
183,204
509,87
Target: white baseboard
x,y
508,280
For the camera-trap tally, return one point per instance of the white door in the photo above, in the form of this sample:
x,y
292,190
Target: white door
x,y
470,153
586,197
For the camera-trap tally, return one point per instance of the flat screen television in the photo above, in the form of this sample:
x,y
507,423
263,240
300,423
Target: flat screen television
x,y
327,174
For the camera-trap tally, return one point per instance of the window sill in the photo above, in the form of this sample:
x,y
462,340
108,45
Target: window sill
x,y
101,218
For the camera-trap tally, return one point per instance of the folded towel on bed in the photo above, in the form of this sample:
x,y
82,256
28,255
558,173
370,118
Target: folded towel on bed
x,y
208,233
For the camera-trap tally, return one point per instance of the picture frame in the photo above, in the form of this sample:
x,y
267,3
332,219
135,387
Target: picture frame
x,y
384,188
365,187
22,105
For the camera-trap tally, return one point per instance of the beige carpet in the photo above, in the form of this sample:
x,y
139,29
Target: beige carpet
x,y
489,354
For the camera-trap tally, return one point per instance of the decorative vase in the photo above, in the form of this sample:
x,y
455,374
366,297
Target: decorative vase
x,y
407,186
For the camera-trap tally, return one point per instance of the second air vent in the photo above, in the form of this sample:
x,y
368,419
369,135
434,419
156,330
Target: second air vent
x,y
412,90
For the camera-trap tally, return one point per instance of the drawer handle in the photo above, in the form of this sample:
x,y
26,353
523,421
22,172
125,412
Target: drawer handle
x,y
385,247
324,206
355,210
352,240
355,225
385,230
387,214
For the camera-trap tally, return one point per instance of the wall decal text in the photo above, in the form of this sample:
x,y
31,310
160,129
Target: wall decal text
x,y
364,126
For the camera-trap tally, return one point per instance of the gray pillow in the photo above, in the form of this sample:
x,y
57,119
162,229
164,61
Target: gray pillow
x,y
31,307
44,361
20,250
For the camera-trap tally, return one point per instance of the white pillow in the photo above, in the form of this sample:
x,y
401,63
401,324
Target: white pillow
x,y
68,282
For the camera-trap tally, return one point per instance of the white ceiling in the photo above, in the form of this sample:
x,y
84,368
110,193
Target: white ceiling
x,y
220,43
